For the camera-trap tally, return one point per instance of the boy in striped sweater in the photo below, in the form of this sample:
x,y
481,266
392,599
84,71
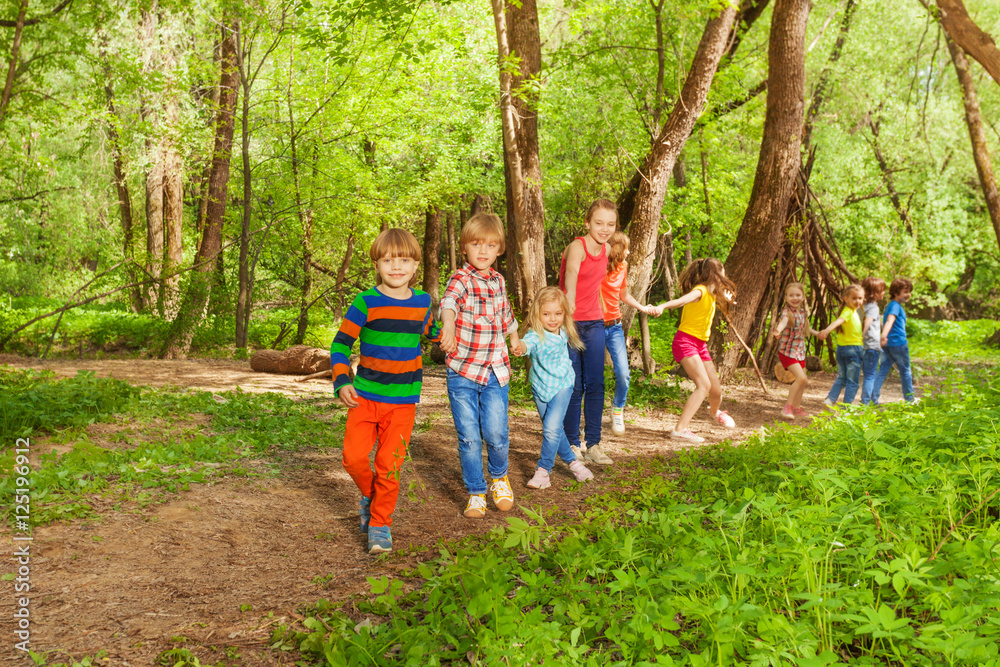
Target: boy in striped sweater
x,y
389,320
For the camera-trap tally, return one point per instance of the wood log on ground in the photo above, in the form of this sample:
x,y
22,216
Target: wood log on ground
x,y
265,361
813,363
296,360
782,375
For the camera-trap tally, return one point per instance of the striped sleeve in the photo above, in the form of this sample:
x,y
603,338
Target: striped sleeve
x,y
432,328
530,341
340,349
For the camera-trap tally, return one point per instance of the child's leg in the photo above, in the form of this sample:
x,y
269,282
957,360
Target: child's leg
x,y
902,356
360,434
884,368
714,388
695,369
553,435
395,425
614,340
464,397
798,386
493,424
854,357
592,335
869,368
571,422
841,380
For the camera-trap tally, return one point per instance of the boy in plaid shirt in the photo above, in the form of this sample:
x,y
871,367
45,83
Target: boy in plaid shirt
x,y
476,317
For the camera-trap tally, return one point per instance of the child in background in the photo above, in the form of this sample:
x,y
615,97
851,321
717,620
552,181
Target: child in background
x,y
584,265
476,317
552,334
791,332
705,284
614,290
895,349
874,291
388,320
849,350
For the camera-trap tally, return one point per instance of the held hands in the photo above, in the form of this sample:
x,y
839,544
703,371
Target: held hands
x,y
348,396
448,343
519,348
884,340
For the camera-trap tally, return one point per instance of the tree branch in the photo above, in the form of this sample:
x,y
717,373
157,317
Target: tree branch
x,y
38,19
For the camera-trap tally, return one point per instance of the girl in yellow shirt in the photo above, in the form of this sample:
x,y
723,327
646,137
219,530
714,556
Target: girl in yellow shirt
x,y
705,284
850,354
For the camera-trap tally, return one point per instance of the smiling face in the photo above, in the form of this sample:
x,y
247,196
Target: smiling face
x,y
396,272
904,296
855,299
553,315
481,253
794,298
602,224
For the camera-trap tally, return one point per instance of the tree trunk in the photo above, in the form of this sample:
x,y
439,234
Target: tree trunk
x,y
15,49
759,238
173,195
154,153
648,203
345,265
969,36
887,175
243,290
977,133
432,250
305,215
517,34
452,250
195,300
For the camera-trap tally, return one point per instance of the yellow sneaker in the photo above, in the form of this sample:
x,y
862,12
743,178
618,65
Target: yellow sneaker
x,y
503,495
476,508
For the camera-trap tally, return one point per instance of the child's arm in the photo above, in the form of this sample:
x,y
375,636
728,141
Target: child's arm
x,y
526,345
886,328
833,325
340,351
691,297
781,324
509,323
632,301
868,323
448,342
451,302
574,257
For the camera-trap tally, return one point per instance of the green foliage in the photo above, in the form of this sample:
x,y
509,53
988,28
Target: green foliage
x,y
949,341
866,539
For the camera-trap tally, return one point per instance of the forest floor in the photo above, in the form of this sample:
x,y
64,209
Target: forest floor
x,y
216,568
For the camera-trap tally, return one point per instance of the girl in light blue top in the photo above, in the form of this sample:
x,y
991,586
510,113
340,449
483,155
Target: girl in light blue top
x,y
552,379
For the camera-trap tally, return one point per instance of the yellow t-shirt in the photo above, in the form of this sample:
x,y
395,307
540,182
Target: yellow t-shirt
x,y
850,332
696,318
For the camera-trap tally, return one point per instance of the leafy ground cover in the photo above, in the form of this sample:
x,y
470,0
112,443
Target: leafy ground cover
x,y
869,538
948,341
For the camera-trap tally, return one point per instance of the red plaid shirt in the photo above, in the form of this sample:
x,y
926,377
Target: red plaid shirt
x,y
792,342
483,319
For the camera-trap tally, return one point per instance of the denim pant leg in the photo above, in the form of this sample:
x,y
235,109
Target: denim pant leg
x,y
554,439
493,401
854,354
841,380
901,357
869,367
464,397
588,365
885,362
614,340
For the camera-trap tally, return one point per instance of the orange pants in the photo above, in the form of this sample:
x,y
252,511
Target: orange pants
x,y
391,425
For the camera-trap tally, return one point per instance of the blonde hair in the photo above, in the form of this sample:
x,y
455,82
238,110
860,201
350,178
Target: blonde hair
x,y
853,288
396,242
800,287
482,227
606,204
548,295
619,247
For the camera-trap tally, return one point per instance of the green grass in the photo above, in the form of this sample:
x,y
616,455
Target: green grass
x,y
950,341
868,539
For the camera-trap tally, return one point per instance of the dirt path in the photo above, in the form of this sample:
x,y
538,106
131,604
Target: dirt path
x,y
217,567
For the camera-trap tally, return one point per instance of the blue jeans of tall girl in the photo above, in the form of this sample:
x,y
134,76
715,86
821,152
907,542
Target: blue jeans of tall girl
x,y
552,413
614,340
848,373
589,388
869,367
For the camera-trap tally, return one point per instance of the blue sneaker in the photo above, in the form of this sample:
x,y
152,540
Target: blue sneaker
x,y
379,539
365,512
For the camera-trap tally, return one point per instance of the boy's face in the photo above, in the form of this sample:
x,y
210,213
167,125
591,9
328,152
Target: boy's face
x,y
396,272
481,253
904,296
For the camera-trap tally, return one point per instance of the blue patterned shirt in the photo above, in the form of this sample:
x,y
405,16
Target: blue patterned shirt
x,y
551,369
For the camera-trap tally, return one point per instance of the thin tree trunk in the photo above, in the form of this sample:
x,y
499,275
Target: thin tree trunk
x,y
15,50
432,250
345,266
452,250
173,195
243,290
977,134
759,238
887,175
192,309
305,216
658,165
206,173
155,156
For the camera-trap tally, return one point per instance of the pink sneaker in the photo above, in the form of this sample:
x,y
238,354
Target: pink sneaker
x,y
788,412
686,436
723,418
540,480
799,412
580,471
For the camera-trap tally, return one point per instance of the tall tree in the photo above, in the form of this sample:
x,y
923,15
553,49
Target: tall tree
x,y
964,31
977,134
520,61
15,51
192,309
432,250
759,238
173,189
151,116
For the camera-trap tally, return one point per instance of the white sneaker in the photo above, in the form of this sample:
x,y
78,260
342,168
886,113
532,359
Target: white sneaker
x,y
686,436
618,422
540,480
595,455
577,452
827,402
723,418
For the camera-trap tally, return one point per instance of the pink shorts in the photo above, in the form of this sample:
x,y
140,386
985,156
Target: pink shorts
x,y
686,345
788,361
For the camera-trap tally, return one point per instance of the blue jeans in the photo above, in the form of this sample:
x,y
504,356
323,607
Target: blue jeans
x,y
869,366
848,373
588,364
480,414
899,356
553,434
614,340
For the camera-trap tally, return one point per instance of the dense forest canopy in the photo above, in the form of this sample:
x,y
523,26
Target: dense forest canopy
x,y
351,115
